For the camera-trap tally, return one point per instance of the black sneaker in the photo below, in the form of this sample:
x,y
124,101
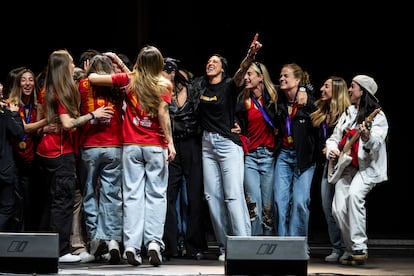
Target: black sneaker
x,y
115,256
198,256
347,260
98,247
132,256
359,257
154,252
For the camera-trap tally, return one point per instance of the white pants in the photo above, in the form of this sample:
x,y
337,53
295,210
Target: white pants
x,y
348,208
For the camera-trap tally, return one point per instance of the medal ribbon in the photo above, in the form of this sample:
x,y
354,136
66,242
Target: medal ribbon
x,y
265,115
292,113
325,130
27,118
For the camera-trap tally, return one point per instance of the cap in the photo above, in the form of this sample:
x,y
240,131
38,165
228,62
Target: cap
x,y
368,84
170,64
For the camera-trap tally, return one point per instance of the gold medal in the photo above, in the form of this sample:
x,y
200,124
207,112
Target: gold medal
x,y
22,145
290,139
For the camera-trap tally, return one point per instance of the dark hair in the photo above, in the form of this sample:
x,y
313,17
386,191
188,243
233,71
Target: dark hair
x,y
87,55
225,65
12,77
100,64
170,64
126,60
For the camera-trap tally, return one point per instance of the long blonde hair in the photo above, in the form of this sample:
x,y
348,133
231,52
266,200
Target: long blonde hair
x,y
147,81
261,69
338,103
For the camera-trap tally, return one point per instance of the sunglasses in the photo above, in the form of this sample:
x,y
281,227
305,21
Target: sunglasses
x,y
258,66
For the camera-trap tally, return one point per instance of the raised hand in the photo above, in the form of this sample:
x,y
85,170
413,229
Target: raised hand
x,y
254,46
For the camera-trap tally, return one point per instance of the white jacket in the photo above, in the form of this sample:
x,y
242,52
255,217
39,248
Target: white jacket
x,y
372,155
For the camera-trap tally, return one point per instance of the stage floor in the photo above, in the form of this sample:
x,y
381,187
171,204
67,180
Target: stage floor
x,y
383,260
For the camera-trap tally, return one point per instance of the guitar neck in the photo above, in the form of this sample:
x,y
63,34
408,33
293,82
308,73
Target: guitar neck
x,y
353,139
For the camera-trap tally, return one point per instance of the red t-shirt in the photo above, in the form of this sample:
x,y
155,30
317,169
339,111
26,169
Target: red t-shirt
x,y
54,144
138,128
354,147
260,134
99,132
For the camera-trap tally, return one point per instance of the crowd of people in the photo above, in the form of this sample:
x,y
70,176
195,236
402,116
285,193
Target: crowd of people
x,y
101,152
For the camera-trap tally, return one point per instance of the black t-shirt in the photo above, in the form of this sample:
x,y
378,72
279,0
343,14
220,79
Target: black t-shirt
x,y
216,108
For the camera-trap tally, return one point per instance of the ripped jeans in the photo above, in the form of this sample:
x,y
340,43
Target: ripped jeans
x,y
258,184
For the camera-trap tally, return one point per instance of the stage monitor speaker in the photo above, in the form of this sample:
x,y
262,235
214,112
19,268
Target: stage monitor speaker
x,y
29,252
266,255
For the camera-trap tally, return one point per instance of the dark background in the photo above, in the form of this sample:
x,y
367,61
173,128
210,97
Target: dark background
x,y
341,38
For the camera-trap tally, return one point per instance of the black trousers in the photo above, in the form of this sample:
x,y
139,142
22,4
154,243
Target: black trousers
x,y
188,164
60,178
8,206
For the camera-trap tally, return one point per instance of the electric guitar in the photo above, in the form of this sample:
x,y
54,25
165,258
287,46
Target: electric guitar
x,y
337,165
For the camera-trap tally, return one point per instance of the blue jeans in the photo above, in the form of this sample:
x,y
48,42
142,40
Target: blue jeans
x,y
145,194
223,169
292,194
102,168
258,184
327,194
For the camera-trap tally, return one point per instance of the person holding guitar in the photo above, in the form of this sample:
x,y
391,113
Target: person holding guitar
x,y
365,121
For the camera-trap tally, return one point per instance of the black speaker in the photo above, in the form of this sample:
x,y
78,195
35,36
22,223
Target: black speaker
x,y
266,255
29,252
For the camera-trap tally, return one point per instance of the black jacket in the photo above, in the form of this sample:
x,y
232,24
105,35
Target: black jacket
x,y
11,126
304,133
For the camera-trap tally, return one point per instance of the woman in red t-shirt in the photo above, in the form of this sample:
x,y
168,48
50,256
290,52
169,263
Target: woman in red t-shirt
x,y
56,151
148,147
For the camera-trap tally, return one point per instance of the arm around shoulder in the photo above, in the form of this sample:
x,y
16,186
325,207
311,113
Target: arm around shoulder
x,y
97,79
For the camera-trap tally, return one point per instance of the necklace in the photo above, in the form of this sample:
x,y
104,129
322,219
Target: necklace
x,y
180,96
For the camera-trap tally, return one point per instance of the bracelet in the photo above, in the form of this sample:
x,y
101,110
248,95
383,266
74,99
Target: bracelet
x,y
250,54
92,115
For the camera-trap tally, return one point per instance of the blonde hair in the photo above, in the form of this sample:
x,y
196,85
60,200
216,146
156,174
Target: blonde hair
x,y
147,81
298,73
261,69
338,103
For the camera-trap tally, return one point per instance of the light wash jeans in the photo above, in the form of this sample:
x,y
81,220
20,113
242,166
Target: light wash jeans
x,y
292,194
258,185
145,195
102,168
223,169
327,194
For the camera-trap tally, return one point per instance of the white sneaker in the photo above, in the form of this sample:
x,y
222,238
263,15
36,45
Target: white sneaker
x,y
345,256
86,257
222,257
132,256
113,248
69,258
154,253
106,257
332,258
